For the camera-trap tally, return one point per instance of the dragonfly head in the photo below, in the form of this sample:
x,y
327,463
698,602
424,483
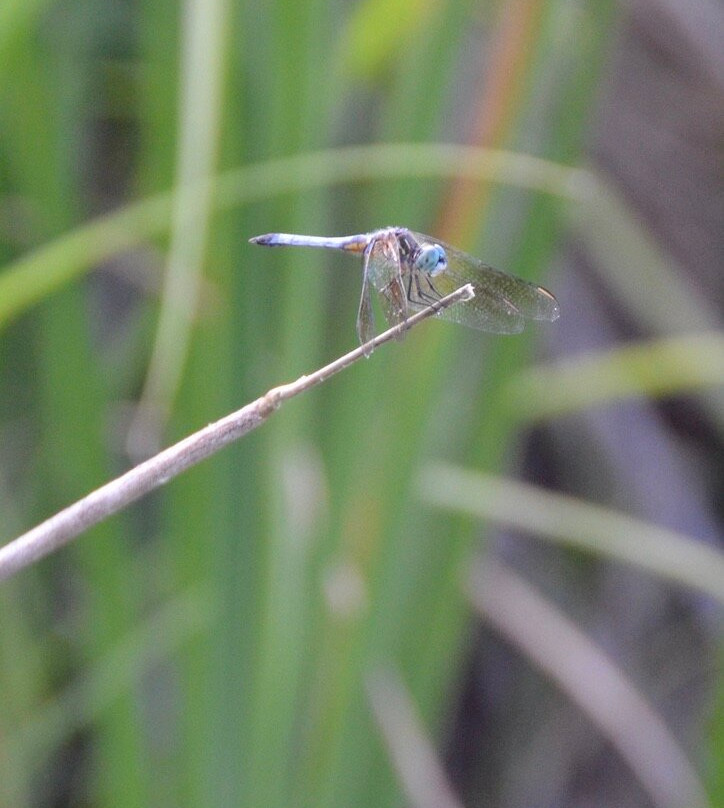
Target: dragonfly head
x,y
431,259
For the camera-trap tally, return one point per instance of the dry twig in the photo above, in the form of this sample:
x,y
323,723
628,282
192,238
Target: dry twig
x,y
110,498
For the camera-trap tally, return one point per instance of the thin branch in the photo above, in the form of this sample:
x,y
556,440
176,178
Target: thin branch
x,y
159,469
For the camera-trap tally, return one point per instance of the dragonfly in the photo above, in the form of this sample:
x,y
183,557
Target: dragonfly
x,y
411,271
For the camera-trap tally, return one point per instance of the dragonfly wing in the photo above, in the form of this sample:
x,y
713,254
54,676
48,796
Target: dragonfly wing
x,y
385,275
501,301
533,302
487,311
365,315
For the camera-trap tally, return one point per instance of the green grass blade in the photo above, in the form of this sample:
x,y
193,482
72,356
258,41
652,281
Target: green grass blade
x,y
577,524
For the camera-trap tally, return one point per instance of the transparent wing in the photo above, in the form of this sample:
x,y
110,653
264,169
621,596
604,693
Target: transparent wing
x,y
365,315
488,310
501,302
384,272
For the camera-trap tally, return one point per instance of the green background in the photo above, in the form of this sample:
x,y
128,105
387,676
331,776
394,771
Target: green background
x,y
221,642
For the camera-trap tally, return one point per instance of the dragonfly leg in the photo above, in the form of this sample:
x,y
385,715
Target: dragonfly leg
x,y
419,296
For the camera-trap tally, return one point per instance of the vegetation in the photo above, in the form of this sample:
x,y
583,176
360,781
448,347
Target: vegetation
x,y
232,639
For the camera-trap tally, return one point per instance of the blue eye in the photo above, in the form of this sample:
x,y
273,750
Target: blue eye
x,y
431,259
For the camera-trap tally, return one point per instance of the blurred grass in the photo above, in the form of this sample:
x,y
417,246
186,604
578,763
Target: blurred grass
x,y
674,365
308,537
581,525
32,277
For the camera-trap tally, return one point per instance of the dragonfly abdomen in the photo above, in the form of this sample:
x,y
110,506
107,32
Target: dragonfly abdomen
x,y
348,243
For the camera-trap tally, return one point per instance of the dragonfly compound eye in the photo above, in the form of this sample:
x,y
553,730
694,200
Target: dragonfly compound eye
x,y
431,259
